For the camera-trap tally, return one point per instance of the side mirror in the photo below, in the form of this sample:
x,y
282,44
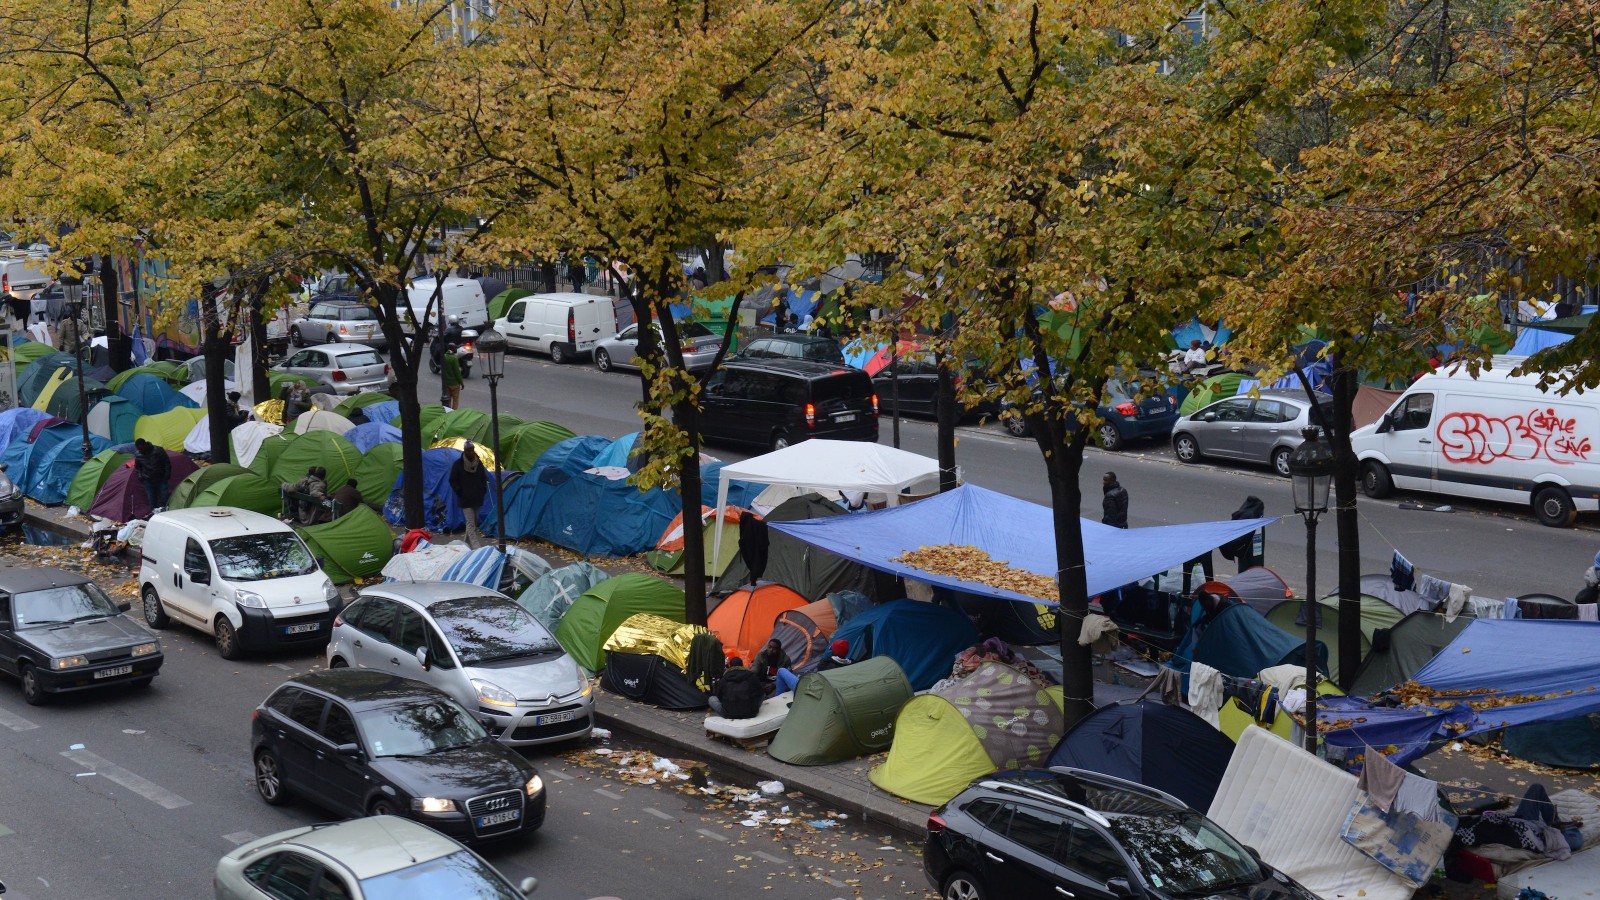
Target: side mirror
x,y
199,576
424,658
350,750
1255,855
528,886
1209,417
1119,887
4,467
124,605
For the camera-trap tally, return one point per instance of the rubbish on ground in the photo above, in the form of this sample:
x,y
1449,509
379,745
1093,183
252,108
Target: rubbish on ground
x,y
822,823
771,787
603,734
76,747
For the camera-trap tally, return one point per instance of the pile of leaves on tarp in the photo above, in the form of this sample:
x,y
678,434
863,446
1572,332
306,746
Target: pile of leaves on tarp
x,y
969,563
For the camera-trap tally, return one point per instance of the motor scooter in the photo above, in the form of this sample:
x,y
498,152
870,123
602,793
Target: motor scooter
x,y
469,336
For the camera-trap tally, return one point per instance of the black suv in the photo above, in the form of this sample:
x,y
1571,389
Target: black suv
x,y
1032,834
794,346
777,402
369,743
59,632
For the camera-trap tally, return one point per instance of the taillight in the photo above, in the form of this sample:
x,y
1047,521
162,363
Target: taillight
x,y
339,619
255,714
338,374
5,283
572,326
1127,409
343,330
385,368
874,404
467,347
811,415
935,823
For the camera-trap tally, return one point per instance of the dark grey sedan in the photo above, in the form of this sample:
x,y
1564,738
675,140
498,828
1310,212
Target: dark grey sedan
x,y
59,632
1263,429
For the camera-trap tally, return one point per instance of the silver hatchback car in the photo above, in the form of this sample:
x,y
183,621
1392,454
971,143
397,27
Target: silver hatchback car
x,y
477,645
1264,429
347,368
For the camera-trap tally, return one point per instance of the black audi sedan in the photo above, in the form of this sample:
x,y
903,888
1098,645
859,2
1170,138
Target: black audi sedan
x,y
364,743
59,633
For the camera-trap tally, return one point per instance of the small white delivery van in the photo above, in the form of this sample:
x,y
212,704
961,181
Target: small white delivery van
x,y
460,297
562,325
243,577
1494,437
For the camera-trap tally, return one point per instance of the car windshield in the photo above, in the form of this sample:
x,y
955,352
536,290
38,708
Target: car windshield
x,y
485,629
461,874
55,605
417,729
1182,852
358,314
258,557
362,358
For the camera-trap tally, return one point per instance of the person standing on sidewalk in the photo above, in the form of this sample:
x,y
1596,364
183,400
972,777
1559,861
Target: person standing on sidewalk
x,y
1114,505
471,484
153,468
577,273
450,378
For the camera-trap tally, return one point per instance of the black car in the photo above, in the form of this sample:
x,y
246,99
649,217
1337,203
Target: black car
x,y
1123,416
59,632
11,503
1032,834
915,379
794,346
777,402
366,743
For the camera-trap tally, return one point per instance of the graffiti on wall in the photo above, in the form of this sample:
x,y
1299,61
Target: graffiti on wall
x,y
1468,437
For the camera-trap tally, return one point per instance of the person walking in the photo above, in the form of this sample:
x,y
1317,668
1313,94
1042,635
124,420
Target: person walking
x,y
1114,505
152,467
450,378
470,483
577,273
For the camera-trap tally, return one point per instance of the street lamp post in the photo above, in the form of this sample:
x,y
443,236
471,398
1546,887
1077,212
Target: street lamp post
x,y
1311,473
491,349
72,288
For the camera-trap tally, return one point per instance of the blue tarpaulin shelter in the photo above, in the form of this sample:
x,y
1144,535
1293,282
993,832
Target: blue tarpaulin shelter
x,y
1532,340
922,638
383,411
152,395
1195,330
1010,529
481,567
367,436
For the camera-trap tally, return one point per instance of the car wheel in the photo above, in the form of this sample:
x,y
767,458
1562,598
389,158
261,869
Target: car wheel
x,y
1110,437
295,338
154,615
558,353
780,440
1554,507
1015,424
1375,480
382,808
32,690
962,886
602,360
269,779
338,663
227,639
1186,448
1280,461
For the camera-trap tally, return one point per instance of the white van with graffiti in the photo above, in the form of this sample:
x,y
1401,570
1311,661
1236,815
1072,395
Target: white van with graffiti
x,y
1494,437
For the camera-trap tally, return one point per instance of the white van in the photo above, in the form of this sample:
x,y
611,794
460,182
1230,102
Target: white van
x,y
460,297
562,325
1494,437
22,274
241,576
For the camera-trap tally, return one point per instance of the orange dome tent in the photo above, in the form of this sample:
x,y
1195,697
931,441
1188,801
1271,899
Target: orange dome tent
x,y
805,633
744,621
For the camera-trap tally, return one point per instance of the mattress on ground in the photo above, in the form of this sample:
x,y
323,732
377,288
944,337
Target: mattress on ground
x,y
768,718
1573,878
1290,806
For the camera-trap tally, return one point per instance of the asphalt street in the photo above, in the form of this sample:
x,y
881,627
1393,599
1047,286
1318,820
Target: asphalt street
x,y
1497,550
129,793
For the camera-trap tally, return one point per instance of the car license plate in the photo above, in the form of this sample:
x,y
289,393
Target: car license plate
x,y
499,818
555,718
112,673
845,417
302,629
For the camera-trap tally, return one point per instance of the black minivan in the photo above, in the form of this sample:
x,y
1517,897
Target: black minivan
x,y
777,402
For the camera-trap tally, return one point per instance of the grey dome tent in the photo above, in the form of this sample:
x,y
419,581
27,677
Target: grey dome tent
x,y
808,571
1400,651
1166,747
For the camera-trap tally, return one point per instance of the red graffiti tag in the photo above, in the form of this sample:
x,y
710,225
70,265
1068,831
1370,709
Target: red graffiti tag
x,y
1477,438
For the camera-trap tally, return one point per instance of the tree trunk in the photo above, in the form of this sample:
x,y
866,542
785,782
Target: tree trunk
x,y
947,415
407,359
217,345
715,270
1346,476
260,384
117,343
686,417
1063,449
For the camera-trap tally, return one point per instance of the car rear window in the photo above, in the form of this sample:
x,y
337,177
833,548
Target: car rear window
x,y
822,351
354,360
848,386
694,330
358,314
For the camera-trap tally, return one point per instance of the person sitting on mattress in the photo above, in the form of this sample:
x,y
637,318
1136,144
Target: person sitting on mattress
x,y
738,693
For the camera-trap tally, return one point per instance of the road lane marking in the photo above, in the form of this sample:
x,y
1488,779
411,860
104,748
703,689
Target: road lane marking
x,y
771,858
558,775
144,787
15,722
659,814
608,794
714,836
834,882
239,837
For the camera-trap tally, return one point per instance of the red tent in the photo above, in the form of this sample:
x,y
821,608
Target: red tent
x,y
122,497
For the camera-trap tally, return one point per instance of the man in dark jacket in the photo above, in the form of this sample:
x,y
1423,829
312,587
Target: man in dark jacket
x,y
347,498
1115,503
470,483
153,468
738,693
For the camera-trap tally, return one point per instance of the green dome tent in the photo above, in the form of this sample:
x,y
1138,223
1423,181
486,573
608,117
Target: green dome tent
x,y
429,414
33,377
166,370
376,472
199,480
350,404
250,491
60,395
503,300
995,718
595,615
1375,614
316,448
523,445
271,448
842,713
1209,391
278,382
30,351
355,545
168,429
484,433
86,484
458,423
1416,639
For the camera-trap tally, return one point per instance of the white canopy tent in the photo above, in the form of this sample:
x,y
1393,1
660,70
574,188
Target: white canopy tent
x,y
833,465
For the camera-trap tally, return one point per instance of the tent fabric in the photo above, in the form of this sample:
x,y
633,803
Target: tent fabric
x,y
1371,403
793,563
91,475
322,420
458,423
587,513
198,441
166,370
122,497
113,418
1490,660
33,377
1410,644
57,456
501,302
740,493
573,455
365,437
245,439
1375,614
269,450
1532,340
552,594
361,400
375,474
428,414
521,447
1571,743
1209,391
199,480
647,658
425,563
1241,642
168,429
60,397
27,351
355,545
805,634
481,567
668,553
744,620
923,639
619,452
840,465
594,616
1233,721
443,512
316,448
1166,747
1195,330
842,714
1025,624
484,433
250,491
386,412
1290,806
1011,529
152,395
996,718
16,424
1260,587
